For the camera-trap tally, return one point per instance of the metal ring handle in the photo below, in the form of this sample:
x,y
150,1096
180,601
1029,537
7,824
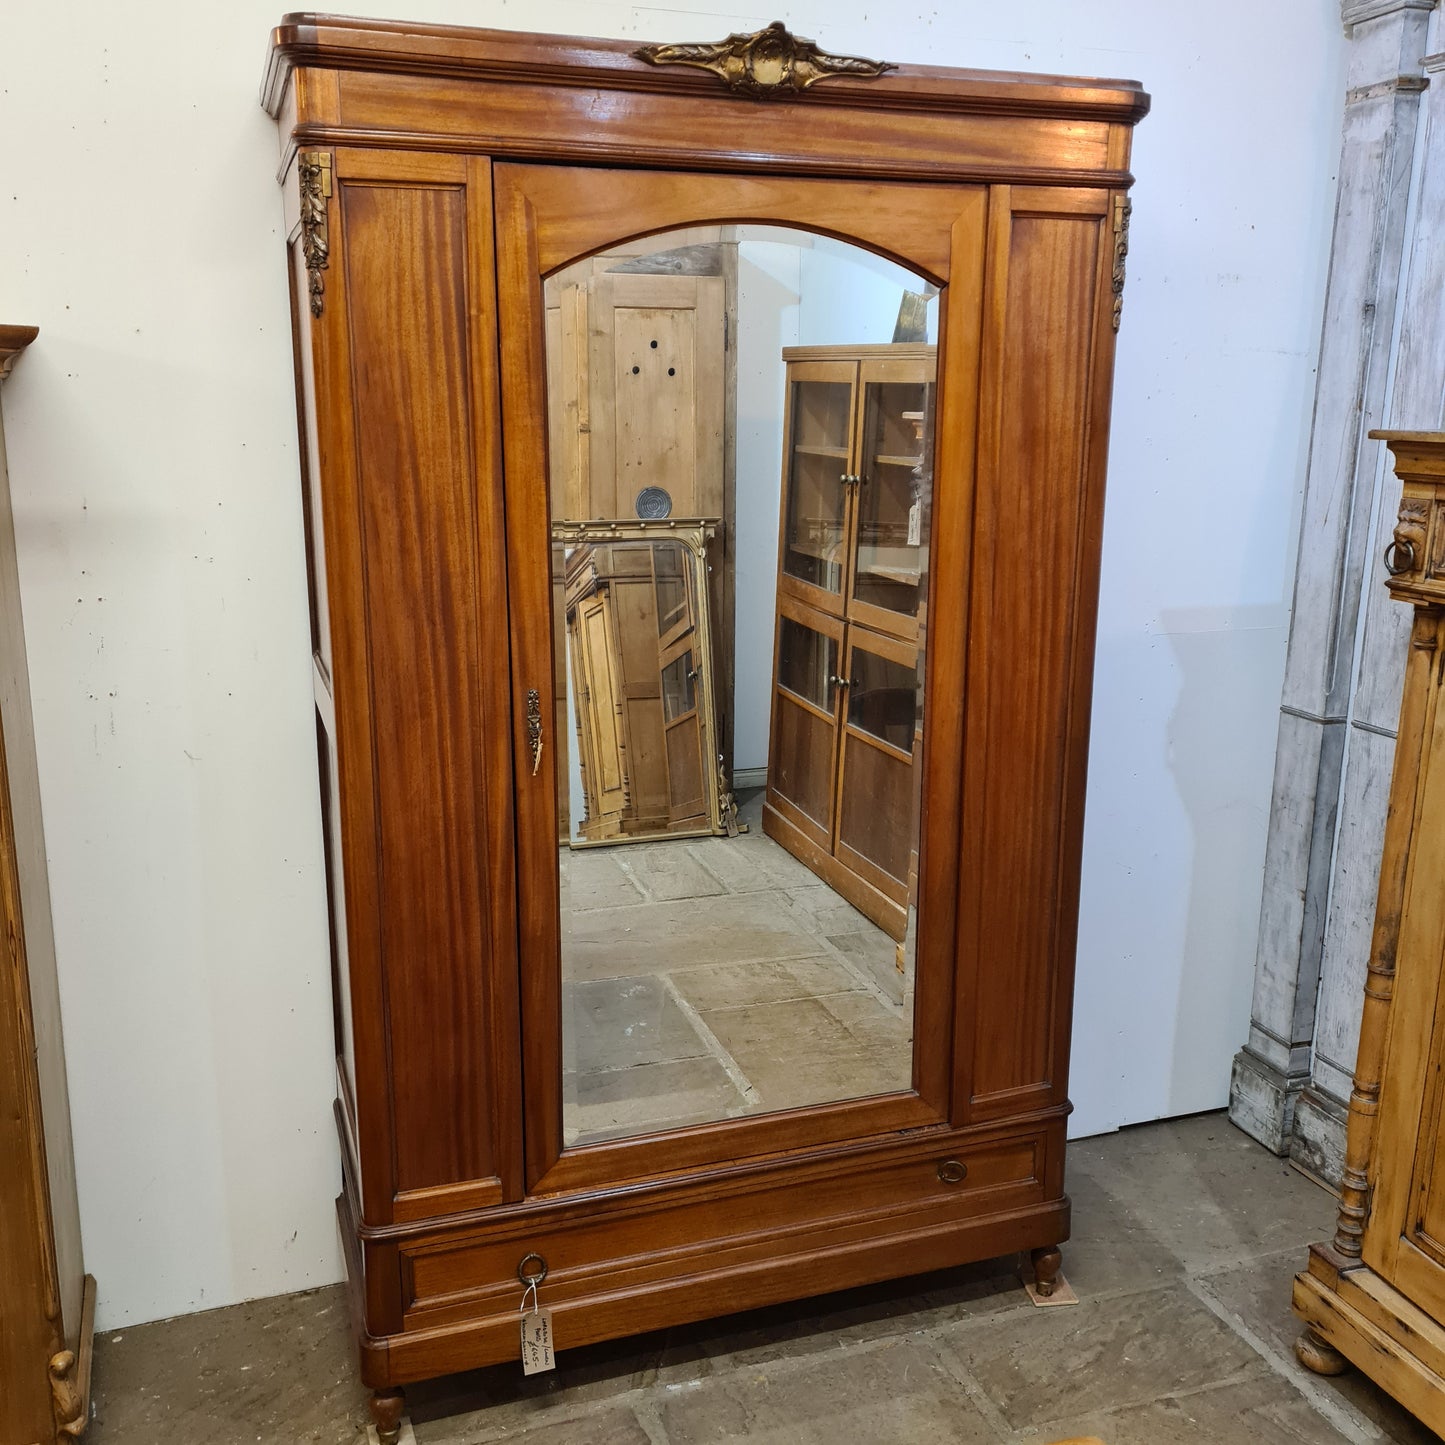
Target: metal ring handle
x,y
1392,563
532,1276
952,1171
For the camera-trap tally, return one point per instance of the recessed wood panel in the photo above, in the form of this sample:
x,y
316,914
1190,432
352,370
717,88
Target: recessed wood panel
x,y
407,287
803,765
1025,719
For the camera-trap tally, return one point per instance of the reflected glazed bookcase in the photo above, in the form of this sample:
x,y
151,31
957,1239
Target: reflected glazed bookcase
x,y
852,579
433,178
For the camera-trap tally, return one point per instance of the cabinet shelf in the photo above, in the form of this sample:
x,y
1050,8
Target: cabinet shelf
x,y
892,461
808,449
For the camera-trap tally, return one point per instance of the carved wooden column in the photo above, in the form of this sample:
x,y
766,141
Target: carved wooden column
x,y
1387,37
46,1301
1417,402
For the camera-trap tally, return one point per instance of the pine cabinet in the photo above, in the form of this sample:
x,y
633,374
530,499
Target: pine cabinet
x,y
852,576
646,1076
1375,1294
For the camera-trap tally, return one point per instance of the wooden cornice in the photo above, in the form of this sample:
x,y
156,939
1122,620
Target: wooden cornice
x,y
14,340
338,43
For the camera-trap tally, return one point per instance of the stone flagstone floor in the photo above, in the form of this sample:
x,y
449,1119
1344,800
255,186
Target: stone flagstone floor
x,y
1186,1237
709,978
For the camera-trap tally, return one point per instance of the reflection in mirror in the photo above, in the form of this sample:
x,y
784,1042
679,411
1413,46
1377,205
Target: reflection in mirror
x,y
779,386
638,641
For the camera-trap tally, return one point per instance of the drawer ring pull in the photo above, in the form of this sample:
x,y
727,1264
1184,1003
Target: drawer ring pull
x,y
952,1171
532,1270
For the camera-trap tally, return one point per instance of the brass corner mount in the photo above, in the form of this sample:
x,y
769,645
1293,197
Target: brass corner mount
x,y
767,64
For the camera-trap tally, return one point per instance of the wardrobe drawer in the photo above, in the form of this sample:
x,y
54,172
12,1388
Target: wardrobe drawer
x,y
621,1241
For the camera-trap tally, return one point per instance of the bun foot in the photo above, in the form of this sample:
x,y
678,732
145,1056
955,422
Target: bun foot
x,y
387,1408
1316,1353
1047,1262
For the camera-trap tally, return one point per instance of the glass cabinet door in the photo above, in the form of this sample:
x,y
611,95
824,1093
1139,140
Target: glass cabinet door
x,y
805,721
895,490
878,788
815,524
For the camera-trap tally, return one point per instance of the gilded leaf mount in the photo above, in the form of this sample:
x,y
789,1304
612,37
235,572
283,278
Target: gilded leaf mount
x,y
767,64
314,172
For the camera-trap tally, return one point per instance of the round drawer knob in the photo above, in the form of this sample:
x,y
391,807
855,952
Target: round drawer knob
x,y
952,1171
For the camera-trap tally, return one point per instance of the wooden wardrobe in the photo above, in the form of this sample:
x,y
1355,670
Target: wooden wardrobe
x,y
47,1302
857,495
433,177
1375,1294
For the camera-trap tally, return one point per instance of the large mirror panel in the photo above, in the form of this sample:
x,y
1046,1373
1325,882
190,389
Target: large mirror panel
x,y
740,437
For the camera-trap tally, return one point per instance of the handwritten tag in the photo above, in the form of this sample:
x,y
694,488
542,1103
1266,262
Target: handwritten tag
x,y
537,1356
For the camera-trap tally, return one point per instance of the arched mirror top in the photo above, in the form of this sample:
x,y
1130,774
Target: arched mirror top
x,y
930,271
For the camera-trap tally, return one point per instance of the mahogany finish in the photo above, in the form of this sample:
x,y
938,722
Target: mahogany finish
x,y
433,176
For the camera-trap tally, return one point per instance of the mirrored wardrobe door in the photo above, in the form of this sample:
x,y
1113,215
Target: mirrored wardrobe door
x,y
721,954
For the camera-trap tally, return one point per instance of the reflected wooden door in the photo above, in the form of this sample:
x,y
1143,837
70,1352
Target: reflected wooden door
x,y
803,756
680,682
878,746
636,367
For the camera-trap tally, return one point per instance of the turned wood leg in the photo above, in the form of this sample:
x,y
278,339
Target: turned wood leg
x,y
1316,1353
1047,1262
387,1408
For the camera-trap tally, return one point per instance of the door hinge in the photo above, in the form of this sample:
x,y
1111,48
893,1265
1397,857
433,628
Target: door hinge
x,y
313,169
727,341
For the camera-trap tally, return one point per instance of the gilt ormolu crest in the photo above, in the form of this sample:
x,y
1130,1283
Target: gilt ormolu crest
x,y
767,64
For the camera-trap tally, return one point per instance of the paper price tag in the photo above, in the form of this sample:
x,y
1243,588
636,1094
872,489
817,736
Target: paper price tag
x,y
915,525
537,1356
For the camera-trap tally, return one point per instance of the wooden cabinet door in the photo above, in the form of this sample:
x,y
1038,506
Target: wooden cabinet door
x,y
803,755
600,716
820,462
1405,1235
636,368
879,727
888,560
1023,388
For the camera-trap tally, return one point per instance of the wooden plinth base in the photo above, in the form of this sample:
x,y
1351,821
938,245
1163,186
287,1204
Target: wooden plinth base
x,y
1349,1309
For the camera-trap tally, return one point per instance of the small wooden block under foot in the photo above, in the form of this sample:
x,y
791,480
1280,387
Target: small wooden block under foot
x,y
407,1435
1063,1294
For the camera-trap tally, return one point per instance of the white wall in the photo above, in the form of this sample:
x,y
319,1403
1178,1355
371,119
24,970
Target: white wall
x,y
152,448
770,283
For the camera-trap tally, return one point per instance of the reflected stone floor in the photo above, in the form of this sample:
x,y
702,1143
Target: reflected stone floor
x,y
709,978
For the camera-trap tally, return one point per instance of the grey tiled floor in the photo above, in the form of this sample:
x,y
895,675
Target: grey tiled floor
x,y
1186,1235
709,978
